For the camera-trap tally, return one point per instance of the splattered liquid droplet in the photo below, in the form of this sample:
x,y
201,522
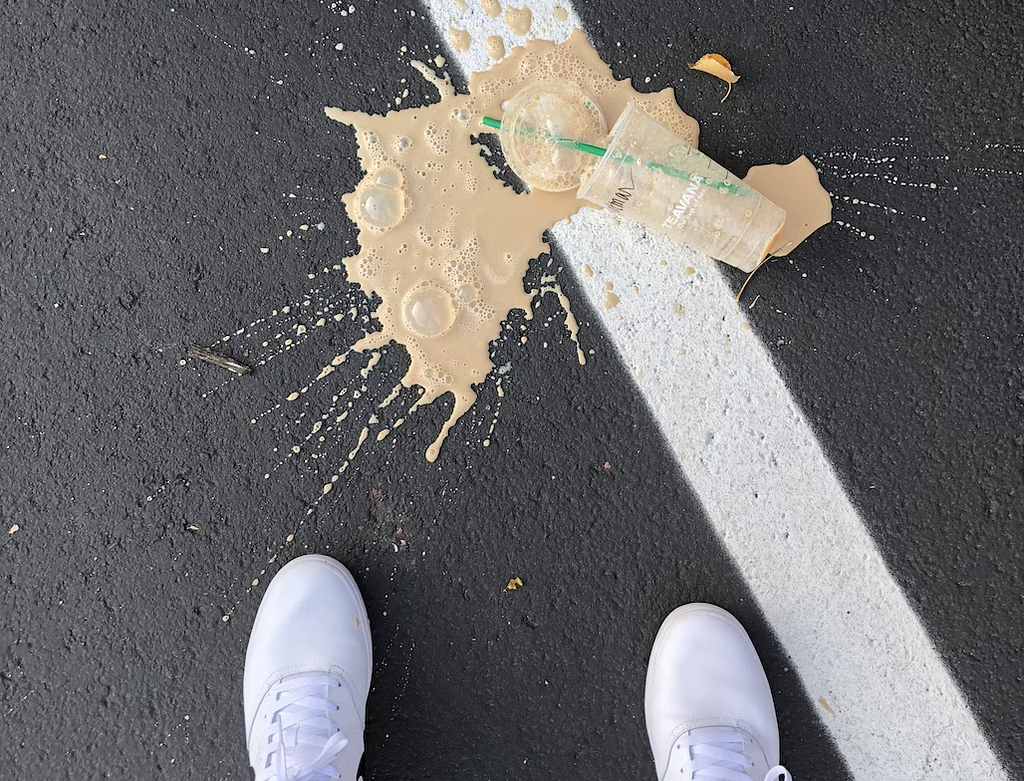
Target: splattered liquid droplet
x,y
495,47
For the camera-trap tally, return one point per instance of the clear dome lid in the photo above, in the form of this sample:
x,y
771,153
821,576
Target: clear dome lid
x,y
536,119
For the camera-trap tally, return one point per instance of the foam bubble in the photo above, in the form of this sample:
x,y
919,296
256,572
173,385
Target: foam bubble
x,y
428,310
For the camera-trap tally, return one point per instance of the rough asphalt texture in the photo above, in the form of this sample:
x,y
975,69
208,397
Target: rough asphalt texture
x,y
115,660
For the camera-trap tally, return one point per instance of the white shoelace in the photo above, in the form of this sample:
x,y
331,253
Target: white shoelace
x,y
304,739
718,756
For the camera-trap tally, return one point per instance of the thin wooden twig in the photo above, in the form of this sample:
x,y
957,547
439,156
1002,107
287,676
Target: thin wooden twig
x,y
209,356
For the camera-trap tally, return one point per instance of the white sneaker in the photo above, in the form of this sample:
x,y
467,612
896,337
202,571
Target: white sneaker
x,y
709,709
307,675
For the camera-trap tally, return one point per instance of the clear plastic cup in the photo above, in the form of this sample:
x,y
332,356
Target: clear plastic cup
x,y
654,177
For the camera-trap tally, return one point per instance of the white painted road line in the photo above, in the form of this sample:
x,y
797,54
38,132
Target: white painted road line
x,y
766,486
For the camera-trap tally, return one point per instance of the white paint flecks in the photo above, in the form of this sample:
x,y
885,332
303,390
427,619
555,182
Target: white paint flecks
x,y
768,489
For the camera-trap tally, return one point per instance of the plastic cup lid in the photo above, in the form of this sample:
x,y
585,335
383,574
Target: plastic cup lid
x,y
535,118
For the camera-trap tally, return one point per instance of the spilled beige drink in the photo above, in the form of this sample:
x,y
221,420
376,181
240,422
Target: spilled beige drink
x,y
444,243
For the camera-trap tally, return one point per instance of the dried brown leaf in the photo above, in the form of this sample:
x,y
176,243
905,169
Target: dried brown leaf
x,y
717,66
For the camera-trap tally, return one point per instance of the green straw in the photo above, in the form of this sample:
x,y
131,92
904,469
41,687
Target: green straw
x,y
590,149
598,151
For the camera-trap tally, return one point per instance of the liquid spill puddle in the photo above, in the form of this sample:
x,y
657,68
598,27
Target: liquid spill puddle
x,y
439,274
449,253
445,251
445,243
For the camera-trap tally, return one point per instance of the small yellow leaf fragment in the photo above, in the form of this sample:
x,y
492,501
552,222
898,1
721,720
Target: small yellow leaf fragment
x,y
514,584
717,66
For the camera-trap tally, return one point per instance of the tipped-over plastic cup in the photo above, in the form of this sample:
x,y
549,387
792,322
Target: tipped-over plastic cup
x,y
651,175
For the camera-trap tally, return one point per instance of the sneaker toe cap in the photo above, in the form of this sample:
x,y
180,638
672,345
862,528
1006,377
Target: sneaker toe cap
x,y
704,668
312,617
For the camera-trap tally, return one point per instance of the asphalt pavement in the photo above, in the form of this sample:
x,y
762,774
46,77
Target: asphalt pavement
x,y
151,151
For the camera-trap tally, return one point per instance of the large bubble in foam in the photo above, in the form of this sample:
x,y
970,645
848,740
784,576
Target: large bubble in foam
x,y
382,200
428,310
